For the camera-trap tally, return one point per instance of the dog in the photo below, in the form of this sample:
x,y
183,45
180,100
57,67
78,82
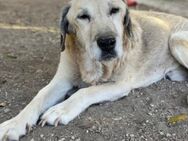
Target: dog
x,y
107,51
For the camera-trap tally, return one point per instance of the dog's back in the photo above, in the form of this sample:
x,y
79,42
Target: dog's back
x,y
171,22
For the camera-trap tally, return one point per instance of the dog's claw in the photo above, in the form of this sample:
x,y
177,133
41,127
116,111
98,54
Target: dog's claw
x,y
57,122
43,122
40,123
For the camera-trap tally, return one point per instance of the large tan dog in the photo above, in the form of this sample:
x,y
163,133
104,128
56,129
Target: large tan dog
x,y
107,53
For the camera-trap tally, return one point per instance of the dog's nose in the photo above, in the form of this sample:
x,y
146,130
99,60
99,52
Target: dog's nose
x,y
106,43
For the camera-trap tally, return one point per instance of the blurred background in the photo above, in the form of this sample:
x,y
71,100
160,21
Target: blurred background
x,y
29,54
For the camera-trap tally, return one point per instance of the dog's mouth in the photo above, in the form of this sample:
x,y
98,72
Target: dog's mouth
x,y
108,55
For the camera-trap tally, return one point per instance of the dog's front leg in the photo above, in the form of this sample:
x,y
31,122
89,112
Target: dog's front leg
x,y
47,97
66,111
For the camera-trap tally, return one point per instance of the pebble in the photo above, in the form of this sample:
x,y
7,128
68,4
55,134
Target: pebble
x,y
141,93
173,134
62,139
72,137
39,71
42,136
117,119
7,110
3,104
94,127
168,135
152,105
32,139
147,121
150,114
52,135
161,133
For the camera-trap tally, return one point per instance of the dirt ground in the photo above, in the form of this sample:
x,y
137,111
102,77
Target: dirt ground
x,y
28,61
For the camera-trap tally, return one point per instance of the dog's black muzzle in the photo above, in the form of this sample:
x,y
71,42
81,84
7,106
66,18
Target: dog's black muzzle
x,y
107,45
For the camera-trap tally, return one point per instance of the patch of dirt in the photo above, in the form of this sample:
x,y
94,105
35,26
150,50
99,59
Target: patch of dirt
x,y
28,61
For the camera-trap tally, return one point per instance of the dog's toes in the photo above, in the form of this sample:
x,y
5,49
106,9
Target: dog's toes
x,y
10,135
55,116
14,128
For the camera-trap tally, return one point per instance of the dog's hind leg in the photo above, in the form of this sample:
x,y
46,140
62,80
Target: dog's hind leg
x,y
179,48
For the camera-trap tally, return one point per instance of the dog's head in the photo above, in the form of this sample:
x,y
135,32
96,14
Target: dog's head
x,y
98,25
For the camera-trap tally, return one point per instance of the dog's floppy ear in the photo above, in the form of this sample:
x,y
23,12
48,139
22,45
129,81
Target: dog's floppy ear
x,y
64,26
128,23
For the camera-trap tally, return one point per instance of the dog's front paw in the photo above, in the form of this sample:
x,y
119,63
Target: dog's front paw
x,y
13,129
62,113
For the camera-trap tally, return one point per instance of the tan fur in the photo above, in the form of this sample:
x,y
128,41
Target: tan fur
x,y
158,46
136,52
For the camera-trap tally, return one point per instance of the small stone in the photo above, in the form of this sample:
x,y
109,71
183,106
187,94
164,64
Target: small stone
x,y
52,135
161,133
62,139
32,139
3,104
147,98
117,119
72,137
143,124
42,136
150,114
152,105
142,137
11,56
147,121
94,127
7,110
39,71
131,135
168,135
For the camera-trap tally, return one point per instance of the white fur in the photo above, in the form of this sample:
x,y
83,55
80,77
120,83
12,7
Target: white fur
x,y
143,66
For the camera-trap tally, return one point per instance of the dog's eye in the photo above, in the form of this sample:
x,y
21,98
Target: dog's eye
x,y
84,17
114,11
